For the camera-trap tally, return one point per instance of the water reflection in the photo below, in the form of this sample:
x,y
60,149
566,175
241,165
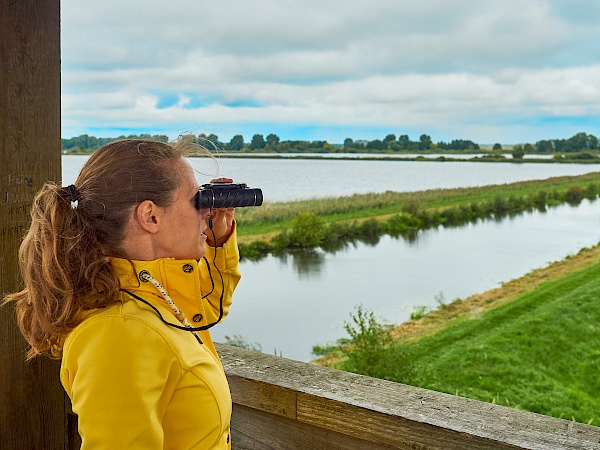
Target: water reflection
x,y
306,262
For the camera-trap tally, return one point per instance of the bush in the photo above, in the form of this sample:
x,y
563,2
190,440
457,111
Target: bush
x,y
255,250
574,195
368,343
418,313
540,199
500,206
400,224
591,191
308,230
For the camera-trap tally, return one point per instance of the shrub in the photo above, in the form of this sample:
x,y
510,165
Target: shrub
x,y
255,250
400,224
574,195
450,216
591,191
308,230
418,313
368,343
540,199
500,206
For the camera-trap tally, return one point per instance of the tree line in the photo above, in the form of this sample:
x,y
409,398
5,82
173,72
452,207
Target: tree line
x,y
390,143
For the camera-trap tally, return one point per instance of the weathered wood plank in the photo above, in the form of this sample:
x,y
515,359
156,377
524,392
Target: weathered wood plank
x,y
258,430
264,397
400,415
386,429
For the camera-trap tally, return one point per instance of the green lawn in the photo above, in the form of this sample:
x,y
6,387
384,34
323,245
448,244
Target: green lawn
x,y
539,353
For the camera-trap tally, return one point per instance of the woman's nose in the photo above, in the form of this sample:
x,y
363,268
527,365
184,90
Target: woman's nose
x,y
205,213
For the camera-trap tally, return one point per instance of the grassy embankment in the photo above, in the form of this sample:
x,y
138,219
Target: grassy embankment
x,y
332,221
531,344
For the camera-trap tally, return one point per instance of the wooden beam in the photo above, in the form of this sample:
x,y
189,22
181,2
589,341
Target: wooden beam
x,y
303,399
32,414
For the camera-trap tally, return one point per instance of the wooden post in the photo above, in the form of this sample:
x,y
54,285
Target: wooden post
x,y
32,407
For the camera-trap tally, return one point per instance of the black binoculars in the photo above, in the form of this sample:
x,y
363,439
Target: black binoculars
x,y
227,195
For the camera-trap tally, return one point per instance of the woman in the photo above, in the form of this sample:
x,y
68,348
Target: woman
x,y
120,284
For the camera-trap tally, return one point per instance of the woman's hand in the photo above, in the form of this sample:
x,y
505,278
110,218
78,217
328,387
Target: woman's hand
x,y
222,221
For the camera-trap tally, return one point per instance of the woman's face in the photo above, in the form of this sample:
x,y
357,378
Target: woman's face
x,y
181,234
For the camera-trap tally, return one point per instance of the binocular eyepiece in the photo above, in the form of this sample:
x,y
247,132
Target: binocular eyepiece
x,y
227,195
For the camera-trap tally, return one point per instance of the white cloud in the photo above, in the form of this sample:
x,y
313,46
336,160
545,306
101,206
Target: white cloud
x,y
432,64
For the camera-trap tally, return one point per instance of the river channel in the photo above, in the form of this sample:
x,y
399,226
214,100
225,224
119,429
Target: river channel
x,y
288,304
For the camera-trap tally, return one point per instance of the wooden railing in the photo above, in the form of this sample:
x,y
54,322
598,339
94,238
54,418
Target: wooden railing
x,y
285,404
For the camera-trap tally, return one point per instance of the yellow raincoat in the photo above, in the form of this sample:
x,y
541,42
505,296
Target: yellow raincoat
x,y
135,382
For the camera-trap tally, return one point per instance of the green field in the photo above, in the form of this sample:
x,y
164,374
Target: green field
x,y
539,352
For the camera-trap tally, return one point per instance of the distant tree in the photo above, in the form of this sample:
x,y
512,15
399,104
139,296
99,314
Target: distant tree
x,y
544,146
583,141
389,139
272,140
577,143
236,142
459,144
404,141
93,142
424,142
202,140
318,145
214,141
376,145
528,148
348,143
518,152
258,142
497,146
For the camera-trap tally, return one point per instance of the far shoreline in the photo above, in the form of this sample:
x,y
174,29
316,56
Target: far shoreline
x,y
387,157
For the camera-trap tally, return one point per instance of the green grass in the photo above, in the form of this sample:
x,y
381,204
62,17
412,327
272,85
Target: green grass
x,y
539,353
277,217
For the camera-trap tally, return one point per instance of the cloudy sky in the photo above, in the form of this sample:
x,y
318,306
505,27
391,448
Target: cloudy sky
x,y
505,71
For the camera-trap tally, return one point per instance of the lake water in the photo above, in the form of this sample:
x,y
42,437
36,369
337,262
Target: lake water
x,y
292,179
288,304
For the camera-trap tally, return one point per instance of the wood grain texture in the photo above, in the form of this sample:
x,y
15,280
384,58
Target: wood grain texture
x,y
252,429
393,414
32,413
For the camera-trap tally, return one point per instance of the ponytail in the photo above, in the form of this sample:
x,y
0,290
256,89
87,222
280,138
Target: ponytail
x,y
64,270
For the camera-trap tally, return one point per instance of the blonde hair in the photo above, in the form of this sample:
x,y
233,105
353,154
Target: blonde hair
x,y
65,256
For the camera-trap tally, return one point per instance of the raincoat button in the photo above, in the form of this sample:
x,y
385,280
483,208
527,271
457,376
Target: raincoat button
x,y
188,268
197,318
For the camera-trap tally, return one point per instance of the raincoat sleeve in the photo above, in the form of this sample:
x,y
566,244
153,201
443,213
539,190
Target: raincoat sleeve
x,y
222,263
119,390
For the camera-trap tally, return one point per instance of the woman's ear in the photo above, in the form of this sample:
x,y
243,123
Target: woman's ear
x,y
145,215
